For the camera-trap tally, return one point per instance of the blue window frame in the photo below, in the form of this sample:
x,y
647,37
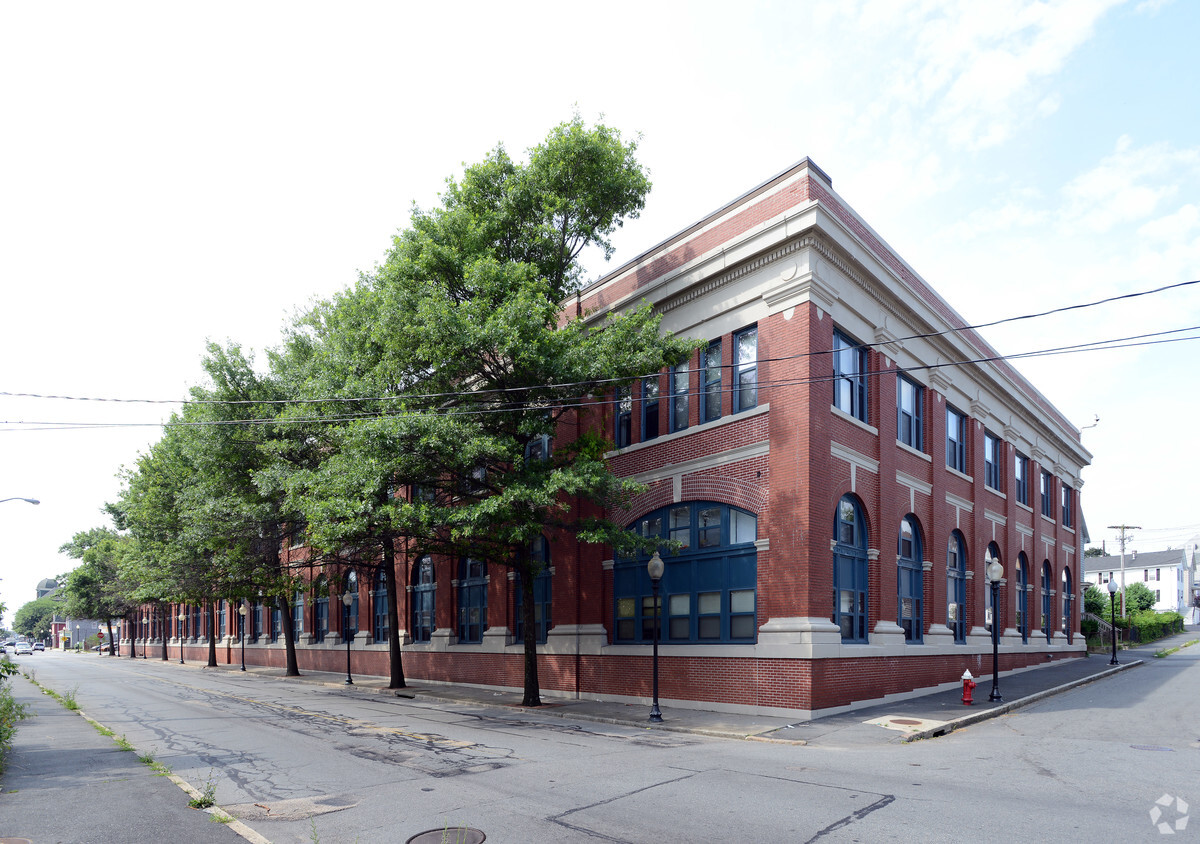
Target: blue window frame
x,y
1068,605
424,595
956,440
649,408
910,402
297,615
256,619
1021,468
710,388
850,376
1047,602
622,416
1047,494
350,614
537,448
850,593
956,587
539,555
1023,596
1067,501
320,609
276,621
708,588
745,369
221,628
993,456
910,581
379,607
679,397
472,600
197,621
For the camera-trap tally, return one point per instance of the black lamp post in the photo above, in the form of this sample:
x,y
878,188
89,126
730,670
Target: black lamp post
x,y
347,600
1112,600
131,629
145,635
182,619
655,569
995,572
242,631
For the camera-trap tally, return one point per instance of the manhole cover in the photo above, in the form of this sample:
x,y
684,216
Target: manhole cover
x,y
1152,747
905,721
455,834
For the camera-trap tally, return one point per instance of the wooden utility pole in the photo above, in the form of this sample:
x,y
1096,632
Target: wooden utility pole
x,y
1123,537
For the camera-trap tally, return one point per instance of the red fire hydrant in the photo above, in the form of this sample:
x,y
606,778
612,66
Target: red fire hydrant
x,y
968,685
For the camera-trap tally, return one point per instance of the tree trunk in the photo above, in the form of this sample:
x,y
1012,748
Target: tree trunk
x,y
528,618
212,634
395,666
289,638
111,644
162,631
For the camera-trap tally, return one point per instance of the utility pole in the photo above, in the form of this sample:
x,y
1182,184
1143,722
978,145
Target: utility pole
x,y
1123,537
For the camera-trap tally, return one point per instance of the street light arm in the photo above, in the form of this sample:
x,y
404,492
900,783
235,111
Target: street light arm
x,y
19,498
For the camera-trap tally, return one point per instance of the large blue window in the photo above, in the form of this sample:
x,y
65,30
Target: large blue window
x,y
910,576
1047,494
993,451
850,570
472,601
221,628
708,588
256,619
321,609
956,587
1068,500
649,408
745,369
1047,600
297,615
379,607
623,417
1021,468
710,388
276,620
350,613
539,553
679,397
1068,605
1023,596
197,621
849,376
423,596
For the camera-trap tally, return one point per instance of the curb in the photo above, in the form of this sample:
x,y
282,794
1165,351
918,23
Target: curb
x,y
1004,709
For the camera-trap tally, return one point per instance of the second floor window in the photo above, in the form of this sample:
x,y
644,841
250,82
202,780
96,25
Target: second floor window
x,y
624,416
679,397
1066,505
849,376
649,408
710,399
992,452
910,396
745,369
1047,494
1021,465
956,440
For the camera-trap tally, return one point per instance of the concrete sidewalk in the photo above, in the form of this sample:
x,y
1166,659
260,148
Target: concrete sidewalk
x,y
916,717
65,782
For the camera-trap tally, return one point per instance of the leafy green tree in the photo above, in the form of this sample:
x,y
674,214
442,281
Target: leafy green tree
x,y
95,588
1095,600
1093,551
462,337
33,619
1138,598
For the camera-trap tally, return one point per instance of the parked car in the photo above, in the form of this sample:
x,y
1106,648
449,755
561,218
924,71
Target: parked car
x,y
3,649
39,646
24,648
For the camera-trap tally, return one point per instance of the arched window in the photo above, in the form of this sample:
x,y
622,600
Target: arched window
x,y
297,615
221,628
1068,605
472,600
197,621
1047,603
708,587
422,600
379,606
321,607
256,619
350,614
539,555
956,587
910,581
993,614
850,570
1023,596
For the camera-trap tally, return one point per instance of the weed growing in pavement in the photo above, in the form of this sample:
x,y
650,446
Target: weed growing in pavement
x,y
68,699
208,797
220,817
123,743
312,831
147,758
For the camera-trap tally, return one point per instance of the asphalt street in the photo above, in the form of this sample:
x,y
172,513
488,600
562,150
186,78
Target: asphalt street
x,y
314,760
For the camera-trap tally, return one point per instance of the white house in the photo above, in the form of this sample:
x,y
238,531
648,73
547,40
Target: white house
x,y
1168,574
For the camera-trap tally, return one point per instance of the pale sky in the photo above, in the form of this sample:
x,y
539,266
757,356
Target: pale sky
x,y
173,172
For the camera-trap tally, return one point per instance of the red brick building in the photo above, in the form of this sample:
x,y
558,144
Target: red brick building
x,y
839,463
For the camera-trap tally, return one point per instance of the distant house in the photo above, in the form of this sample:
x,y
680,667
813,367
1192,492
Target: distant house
x,y
1168,574
46,586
